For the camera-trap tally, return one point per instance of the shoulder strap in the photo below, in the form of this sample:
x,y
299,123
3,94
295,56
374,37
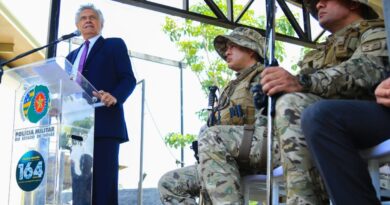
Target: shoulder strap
x,y
245,148
367,24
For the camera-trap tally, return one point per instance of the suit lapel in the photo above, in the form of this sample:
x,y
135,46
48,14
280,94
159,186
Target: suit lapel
x,y
74,54
96,47
71,58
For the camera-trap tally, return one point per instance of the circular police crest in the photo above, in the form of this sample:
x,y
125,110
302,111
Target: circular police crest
x,y
35,103
30,170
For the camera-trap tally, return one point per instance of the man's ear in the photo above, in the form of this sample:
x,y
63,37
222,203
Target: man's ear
x,y
253,54
353,5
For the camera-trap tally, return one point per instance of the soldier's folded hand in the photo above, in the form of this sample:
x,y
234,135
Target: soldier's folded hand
x,y
382,93
276,80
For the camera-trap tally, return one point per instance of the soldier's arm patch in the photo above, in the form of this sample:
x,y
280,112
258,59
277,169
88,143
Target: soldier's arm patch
x,y
371,46
373,42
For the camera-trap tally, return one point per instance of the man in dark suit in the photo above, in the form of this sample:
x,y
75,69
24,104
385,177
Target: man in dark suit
x,y
335,131
106,65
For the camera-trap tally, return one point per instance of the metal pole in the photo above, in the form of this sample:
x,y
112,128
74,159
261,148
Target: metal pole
x,y
386,10
185,5
270,61
306,21
53,27
141,157
181,112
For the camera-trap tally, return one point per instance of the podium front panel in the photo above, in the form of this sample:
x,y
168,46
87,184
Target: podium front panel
x,y
52,145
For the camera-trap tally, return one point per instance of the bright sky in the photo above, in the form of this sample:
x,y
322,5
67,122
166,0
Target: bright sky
x,y
141,30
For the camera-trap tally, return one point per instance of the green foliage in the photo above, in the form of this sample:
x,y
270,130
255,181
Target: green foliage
x,y
85,123
203,115
65,139
176,140
303,51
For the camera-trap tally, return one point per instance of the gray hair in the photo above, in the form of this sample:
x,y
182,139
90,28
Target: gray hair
x,y
93,8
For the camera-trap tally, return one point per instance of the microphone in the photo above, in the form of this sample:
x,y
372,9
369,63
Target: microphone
x,y
64,37
71,35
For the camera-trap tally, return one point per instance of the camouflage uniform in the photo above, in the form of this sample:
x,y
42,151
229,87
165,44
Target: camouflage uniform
x,y
217,175
180,186
218,152
348,65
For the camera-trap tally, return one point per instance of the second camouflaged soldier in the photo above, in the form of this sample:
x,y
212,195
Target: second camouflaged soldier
x,y
235,118
349,65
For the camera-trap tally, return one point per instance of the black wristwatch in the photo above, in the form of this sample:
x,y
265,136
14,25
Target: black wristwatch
x,y
305,81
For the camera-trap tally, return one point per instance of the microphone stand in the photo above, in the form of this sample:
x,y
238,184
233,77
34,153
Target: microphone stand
x,y
30,52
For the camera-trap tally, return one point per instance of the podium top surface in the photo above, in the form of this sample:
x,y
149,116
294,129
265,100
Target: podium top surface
x,y
49,72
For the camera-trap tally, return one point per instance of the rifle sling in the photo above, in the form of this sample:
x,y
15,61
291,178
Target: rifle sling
x,y
245,148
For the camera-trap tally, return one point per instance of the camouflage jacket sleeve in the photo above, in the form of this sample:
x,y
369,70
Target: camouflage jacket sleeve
x,y
358,76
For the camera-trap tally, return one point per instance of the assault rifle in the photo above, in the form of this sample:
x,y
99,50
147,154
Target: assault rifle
x,y
212,99
211,119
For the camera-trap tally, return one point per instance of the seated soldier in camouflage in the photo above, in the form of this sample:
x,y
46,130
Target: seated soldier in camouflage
x,y
235,120
349,65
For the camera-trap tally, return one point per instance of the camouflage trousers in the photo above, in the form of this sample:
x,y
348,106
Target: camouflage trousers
x,y
303,182
180,186
220,173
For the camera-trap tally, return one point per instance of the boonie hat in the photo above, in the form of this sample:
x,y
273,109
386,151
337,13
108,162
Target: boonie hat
x,y
242,36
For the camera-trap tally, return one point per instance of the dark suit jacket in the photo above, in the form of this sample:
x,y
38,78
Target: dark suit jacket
x,y
108,68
